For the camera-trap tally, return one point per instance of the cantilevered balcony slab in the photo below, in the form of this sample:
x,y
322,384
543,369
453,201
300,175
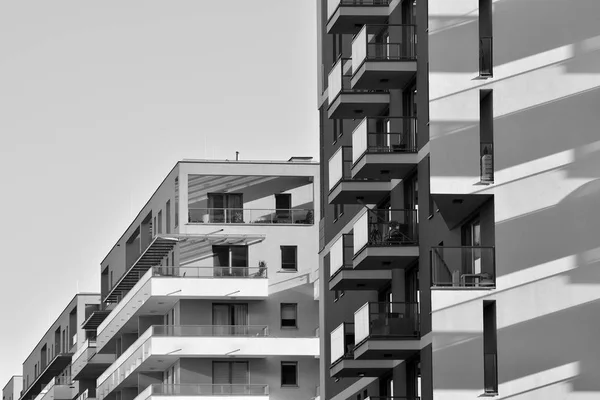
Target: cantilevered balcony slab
x,y
385,239
205,392
380,64
53,369
384,165
351,368
348,16
162,345
161,287
359,192
87,364
351,104
350,279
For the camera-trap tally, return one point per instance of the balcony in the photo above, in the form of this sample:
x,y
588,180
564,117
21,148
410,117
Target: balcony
x,y
344,277
343,364
171,284
345,190
386,239
206,391
463,267
348,16
378,63
87,364
54,368
348,102
391,398
384,148
251,216
387,331
59,388
165,344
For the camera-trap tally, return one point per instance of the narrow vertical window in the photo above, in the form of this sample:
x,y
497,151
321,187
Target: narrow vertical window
x,y
431,203
289,315
159,219
486,49
176,202
289,258
490,348
486,135
289,373
168,216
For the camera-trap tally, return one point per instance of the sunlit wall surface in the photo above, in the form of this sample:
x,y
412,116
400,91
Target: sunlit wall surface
x,y
539,210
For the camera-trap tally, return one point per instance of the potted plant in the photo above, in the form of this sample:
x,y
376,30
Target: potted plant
x,y
262,269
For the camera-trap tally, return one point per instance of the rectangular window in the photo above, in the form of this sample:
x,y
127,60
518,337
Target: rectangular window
x,y
159,227
176,202
289,258
230,260
431,203
168,216
490,348
289,315
289,373
338,211
486,135
486,49
226,373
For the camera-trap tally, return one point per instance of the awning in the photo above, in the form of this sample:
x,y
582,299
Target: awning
x,y
54,368
160,248
94,320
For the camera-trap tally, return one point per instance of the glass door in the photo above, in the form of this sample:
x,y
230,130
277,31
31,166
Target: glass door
x,y
230,377
230,319
216,207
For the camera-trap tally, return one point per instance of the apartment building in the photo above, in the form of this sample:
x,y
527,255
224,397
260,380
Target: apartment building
x,y
47,371
209,293
460,172
12,389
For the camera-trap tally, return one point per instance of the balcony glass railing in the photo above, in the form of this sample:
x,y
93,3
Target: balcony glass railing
x,y
391,398
210,390
339,81
463,267
333,5
210,272
371,44
384,135
251,216
340,166
342,342
385,227
210,330
340,255
386,320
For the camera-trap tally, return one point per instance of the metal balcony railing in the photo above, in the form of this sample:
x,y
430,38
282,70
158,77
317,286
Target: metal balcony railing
x,y
210,390
386,227
211,330
387,320
384,135
339,81
463,267
210,272
372,44
333,5
251,216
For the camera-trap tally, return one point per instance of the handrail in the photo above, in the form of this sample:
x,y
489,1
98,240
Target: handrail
x,y
249,389
231,215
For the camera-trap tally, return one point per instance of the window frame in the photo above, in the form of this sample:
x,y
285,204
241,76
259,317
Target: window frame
x,y
297,375
282,306
295,269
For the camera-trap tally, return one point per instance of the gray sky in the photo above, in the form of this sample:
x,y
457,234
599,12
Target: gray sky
x,y
98,100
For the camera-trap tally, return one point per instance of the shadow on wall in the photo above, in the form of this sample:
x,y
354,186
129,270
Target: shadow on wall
x,y
570,228
534,346
522,28
526,135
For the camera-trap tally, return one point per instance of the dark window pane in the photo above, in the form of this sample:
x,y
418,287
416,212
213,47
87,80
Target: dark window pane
x,y
288,257
289,374
289,315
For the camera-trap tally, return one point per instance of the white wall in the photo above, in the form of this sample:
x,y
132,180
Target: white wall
x,y
546,194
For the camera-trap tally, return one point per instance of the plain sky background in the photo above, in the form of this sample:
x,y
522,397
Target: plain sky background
x,y
98,100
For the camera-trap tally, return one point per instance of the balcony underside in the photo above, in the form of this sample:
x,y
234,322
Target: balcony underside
x,y
359,192
386,257
384,74
351,368
350,19
92,368
208,397
455,208
387,349
395,165
358,105
349,279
